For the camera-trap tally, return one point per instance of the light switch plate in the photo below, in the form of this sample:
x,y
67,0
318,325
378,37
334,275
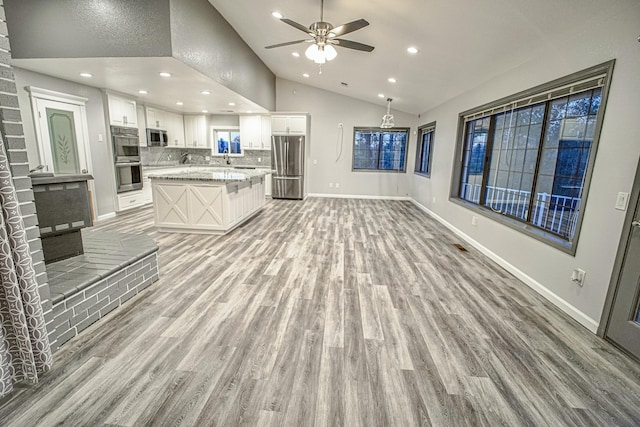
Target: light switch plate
x,y
621,201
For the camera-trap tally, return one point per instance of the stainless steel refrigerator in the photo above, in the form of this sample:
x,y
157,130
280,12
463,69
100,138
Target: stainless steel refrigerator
x,y
287,160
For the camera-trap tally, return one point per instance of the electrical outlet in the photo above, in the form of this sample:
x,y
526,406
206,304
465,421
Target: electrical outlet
x,y
474,221
331,185
207,158
337,185
315,162
433,200
100,138
259,159
577,276
621,201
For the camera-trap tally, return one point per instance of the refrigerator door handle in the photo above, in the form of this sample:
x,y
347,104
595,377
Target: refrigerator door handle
x,y
286,156
286,177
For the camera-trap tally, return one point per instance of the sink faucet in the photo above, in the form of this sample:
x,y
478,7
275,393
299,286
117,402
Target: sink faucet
x,y
225,156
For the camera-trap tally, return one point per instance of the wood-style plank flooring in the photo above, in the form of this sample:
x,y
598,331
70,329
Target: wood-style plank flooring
x,y
330,312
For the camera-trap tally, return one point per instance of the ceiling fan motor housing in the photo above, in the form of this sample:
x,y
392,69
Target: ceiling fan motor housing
x,y
320,31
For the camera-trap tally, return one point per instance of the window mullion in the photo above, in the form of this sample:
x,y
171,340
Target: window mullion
x,y
487,159
379,149
543,132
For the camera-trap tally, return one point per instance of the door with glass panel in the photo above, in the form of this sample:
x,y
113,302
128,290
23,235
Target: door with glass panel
x,y
624,324
62,147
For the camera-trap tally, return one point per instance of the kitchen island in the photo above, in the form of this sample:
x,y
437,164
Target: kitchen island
x,y
206,200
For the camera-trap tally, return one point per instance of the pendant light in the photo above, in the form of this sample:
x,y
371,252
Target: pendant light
x,y
387,120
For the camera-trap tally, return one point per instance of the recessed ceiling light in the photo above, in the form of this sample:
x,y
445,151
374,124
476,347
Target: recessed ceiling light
x,y
165,74
412,50
143,92
231,104
381,95
86,75
205,92
305,75
205,111
391,80
179,103
276,15
296,54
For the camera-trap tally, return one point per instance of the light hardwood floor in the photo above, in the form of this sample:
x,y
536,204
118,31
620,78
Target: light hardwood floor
x,y
331,312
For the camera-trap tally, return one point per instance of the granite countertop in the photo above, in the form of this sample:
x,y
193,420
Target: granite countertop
x,y
204,165
210,174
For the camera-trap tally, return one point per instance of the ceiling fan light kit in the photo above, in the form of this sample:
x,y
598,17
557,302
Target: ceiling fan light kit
x,y
324,38
321,54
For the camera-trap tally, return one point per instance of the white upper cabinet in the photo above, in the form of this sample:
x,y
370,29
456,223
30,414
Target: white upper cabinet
x,y
250,131
195,131
288,125
175,128
156,119
142,126
280,125
265,128
255,132
122,111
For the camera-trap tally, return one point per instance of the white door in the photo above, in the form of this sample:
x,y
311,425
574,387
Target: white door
x,y
62,148
62,133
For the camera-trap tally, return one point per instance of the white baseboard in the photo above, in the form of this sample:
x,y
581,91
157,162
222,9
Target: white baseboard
x,y
358,196
105,216
569,309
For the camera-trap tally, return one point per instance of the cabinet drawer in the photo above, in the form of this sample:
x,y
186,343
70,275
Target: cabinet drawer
x,y
133,200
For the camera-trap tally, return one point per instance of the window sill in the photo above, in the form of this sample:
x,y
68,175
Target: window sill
x,y
538,234
422,174
379,170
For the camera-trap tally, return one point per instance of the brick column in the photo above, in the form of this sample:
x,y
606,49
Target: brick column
x,y
11,127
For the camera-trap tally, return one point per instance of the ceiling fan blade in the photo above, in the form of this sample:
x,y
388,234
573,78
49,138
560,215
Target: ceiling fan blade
x,y
349,27
285,44
352,45
294,24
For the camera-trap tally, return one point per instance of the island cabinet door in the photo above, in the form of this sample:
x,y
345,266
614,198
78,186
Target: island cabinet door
x,y
194,206
206,205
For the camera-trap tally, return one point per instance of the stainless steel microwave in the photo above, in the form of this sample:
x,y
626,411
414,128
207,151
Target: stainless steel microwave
x,y
157,138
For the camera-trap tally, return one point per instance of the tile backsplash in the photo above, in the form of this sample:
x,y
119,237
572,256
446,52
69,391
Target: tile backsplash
x,y
167,156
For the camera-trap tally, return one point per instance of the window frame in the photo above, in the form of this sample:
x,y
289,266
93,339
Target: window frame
x,y
214,139
542,235
407,130
428,128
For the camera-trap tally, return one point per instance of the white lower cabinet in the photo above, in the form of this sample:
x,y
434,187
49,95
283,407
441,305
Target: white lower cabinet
x,y
267,185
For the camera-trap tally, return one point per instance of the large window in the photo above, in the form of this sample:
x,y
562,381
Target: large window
x,y
227,141
380,149
424,149
527,159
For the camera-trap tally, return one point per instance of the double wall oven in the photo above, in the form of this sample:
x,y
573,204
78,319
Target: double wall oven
x,y
126,154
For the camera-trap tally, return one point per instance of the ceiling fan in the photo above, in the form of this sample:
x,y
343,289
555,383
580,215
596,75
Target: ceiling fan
x,y
325,36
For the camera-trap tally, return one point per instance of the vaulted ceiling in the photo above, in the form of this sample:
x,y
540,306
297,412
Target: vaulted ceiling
x,y
461,44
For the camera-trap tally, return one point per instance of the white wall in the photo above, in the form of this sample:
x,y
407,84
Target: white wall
x,y
327,110
101,157
614,170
